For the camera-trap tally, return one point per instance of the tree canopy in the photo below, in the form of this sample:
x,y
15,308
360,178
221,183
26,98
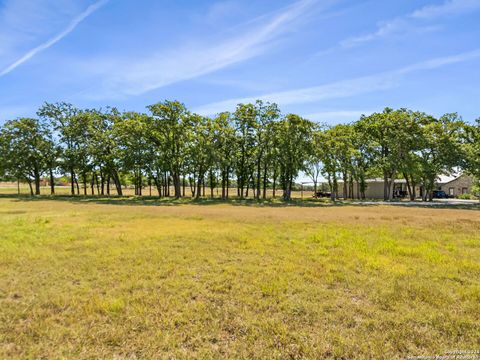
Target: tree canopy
x,y
252,149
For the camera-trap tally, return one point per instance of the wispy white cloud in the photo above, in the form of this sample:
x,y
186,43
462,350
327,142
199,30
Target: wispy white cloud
x,y
384,29
439,62
32,18
52,41
223,9
23,21
406,23
450,7
340,89
123,78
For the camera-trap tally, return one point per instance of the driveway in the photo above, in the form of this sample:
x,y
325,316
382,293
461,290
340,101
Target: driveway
x,y
435,202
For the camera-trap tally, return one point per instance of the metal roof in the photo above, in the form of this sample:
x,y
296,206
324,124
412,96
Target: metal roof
x,y
445,179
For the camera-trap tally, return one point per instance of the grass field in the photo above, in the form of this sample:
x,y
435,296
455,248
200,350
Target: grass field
x,y
86,279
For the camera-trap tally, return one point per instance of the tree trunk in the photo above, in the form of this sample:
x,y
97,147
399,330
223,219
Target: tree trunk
x,y
84,176
102,180
350,188
392,185
169,179
37,183
257,195
92,184
96,182
165,184
184,185
52,182
287,191
223,185
363,186
409,188
211,184
431,187
274,184
118,185
333,194
265,180
385,186
227,180
140,183
176,184
72,180
192,183
198,192
158,185
31,188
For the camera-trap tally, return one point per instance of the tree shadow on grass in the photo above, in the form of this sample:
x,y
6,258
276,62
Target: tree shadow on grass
x,y
156,201
275,203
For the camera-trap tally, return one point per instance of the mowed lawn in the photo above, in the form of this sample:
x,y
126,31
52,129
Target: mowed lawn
x,y
122,280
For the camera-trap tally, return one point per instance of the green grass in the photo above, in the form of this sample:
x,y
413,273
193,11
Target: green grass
x,y
93,280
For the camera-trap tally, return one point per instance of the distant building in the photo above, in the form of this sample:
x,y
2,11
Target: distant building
x,y
455,185
375,188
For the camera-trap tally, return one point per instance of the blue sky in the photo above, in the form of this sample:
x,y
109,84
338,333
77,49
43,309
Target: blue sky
x,y
327,60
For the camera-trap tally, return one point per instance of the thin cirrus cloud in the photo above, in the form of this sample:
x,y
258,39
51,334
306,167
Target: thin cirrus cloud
x,y
341,89
222,10
52,41
407,23
121,78
448,8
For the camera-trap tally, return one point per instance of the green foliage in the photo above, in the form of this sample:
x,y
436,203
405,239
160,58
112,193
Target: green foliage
x,y
471,147
294,143
255,148
440,150
25,147
168,129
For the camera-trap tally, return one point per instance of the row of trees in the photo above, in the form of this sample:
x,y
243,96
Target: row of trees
x,y
253,149
398,144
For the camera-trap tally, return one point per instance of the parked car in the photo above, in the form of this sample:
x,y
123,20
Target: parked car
x,y
320,194
400,194
440,194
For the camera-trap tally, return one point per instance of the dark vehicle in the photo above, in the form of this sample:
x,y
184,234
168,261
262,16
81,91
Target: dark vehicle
x,y
400,194
322,194
440,194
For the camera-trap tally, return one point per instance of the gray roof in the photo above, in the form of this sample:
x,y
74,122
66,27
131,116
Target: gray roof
x,y
445,179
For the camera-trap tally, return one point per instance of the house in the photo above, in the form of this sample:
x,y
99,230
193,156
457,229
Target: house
x,y
375,188
453,185
456,184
